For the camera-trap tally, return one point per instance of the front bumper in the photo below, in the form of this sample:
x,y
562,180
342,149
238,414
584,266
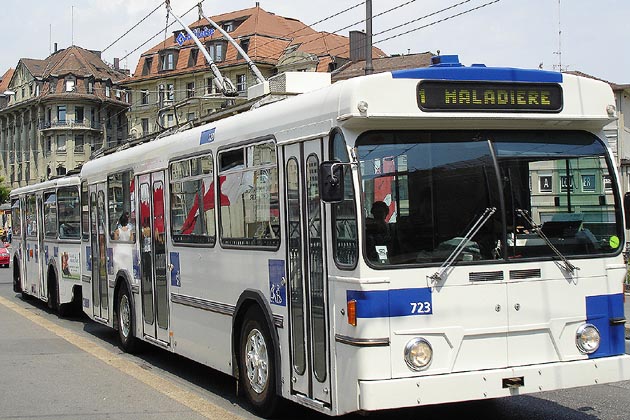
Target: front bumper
x,y
464,386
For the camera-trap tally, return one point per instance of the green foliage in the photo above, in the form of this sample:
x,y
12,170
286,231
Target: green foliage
x,y
4,191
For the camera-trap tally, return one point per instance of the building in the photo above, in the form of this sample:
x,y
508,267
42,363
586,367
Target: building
x,y
617,132
57,112
355,68
173,83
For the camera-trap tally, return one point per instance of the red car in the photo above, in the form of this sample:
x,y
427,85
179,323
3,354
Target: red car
x,y
5,257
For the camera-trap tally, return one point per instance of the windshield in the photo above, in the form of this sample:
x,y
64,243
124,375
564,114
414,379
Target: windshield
x,y
424,190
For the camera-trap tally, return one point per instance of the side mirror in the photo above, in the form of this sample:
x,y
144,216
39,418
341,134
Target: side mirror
x,y
626,209
331,181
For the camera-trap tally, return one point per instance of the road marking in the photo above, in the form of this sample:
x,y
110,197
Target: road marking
x,y
160,384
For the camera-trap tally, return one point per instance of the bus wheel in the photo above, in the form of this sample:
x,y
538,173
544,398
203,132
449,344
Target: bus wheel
x,y
257,364
126,322
53,293
17,282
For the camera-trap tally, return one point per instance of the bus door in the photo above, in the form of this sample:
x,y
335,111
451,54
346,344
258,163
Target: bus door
x,y
41,269
153,285
98,242
30,236
308,311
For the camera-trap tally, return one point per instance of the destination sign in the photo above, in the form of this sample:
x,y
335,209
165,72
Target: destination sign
x,y
439,95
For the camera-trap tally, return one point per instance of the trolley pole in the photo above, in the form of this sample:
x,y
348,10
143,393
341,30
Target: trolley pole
x,y
369,68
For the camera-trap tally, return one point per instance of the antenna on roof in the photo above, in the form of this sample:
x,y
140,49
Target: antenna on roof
x,y
559,52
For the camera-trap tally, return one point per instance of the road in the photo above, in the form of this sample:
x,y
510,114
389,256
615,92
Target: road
x,y
54,369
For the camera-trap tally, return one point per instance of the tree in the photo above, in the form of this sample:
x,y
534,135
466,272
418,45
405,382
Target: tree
x,y
4,191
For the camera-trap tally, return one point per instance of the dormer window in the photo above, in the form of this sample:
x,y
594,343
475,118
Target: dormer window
x,y
108,93
228,26
90,86
244,47
192,59
217,50
167,60
70,85
146,68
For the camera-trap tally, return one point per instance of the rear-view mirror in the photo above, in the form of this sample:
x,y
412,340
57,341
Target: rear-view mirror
x,y
331,181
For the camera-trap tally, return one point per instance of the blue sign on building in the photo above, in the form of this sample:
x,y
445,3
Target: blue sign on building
x,y
199,33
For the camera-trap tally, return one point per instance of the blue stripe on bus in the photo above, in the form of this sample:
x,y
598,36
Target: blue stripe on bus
x,y
599,311
479,74
392,303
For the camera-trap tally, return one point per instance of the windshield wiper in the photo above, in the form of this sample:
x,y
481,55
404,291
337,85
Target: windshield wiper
x,y
439,275
568,267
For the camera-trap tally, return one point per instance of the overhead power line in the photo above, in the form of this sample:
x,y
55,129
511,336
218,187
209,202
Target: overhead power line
x,y
437,21
422,17
160,31
132,28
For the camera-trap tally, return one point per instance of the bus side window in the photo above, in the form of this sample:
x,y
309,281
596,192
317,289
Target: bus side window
x,y
345,238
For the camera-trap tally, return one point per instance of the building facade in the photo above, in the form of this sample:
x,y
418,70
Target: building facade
x,y
173,84
57,112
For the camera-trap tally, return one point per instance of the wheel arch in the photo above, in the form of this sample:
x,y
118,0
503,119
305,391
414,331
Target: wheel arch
x,y
255,298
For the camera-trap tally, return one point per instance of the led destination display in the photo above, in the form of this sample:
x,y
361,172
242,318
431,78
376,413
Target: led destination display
x,y
437,95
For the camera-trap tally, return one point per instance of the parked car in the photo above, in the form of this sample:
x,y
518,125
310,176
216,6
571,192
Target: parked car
x,y
5,257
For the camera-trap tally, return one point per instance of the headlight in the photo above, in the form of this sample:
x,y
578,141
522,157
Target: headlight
x,y
418,353
587,338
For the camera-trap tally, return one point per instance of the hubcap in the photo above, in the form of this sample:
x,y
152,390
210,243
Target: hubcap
x,y
256,361
125,319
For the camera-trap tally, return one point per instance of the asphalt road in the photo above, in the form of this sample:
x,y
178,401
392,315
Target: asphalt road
x,y
54,368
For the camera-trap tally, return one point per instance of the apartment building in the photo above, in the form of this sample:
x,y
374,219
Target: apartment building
x,y
173,83
55,113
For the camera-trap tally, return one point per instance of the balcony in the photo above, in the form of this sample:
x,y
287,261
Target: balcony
x,y
69,124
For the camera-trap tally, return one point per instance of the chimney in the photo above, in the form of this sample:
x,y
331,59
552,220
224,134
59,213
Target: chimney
x,y
116,63
357,45
55,48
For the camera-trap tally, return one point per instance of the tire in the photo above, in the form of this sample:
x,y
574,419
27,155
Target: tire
x,y
17,282
257,364
126,321
53,293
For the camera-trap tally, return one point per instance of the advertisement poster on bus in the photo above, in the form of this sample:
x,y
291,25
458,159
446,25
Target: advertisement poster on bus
x,y
70,265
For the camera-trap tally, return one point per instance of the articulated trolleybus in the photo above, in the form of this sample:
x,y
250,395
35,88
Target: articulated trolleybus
x,y
47,242
415,237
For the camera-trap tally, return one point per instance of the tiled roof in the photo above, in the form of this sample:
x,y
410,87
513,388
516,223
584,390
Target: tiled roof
x,y
269,36
384,64
34,66
80,62
6,78
613,85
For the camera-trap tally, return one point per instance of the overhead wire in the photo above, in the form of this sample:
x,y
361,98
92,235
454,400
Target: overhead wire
x,y
437,21
421,27
324,34
133,27
159,32
422,17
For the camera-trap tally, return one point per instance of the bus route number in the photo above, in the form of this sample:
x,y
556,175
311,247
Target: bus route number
x,y
420,308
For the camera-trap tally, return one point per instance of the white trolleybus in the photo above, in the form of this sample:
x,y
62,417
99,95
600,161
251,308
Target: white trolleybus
x,y
47,242
407,238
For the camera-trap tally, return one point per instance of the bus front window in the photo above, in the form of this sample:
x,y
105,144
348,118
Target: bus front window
x,y
424,190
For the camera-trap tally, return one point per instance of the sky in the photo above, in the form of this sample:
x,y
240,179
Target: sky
x,y
591,35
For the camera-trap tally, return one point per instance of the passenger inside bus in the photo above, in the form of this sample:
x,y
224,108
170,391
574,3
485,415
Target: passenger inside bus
x,y
124,231
379,233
